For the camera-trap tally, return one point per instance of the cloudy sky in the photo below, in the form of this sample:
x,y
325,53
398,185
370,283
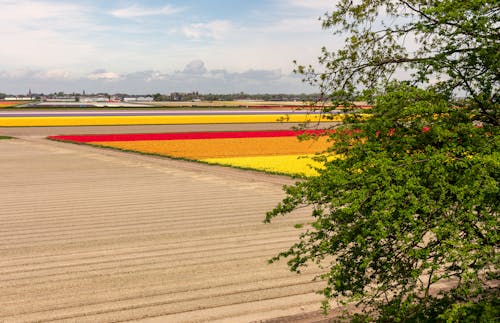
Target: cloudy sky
x,y
140,47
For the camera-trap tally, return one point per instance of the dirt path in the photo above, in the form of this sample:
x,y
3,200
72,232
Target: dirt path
x,y
93,235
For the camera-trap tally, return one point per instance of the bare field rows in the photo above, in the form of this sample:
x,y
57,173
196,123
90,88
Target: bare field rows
x,y
93,235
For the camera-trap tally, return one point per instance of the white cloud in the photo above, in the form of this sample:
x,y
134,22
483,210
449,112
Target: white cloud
x,y
55,74
216,29
313,4
48,35
147,76
17,73
156,76
57,43
44,16
29,10
267,75
292,26
24,73
196,67
104,75
153,81
139,11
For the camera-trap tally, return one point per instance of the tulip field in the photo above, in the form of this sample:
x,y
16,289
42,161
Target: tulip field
x,y
8,104
151,117
94,235
275,151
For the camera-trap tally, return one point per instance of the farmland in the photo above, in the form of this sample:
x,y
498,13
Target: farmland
x,y
9,104
271,151
91,234
153,117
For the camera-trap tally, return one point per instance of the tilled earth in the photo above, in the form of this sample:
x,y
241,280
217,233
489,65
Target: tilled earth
x,y
96,235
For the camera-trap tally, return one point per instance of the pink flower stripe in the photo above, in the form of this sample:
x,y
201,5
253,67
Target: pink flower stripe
x,y
183,135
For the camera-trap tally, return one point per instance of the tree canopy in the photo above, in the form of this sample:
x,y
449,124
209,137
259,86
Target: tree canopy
x,y
405,224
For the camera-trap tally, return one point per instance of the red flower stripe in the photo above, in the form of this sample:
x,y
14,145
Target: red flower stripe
x,y
277,107
183,135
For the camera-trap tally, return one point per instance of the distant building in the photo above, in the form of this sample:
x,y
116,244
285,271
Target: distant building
x,y
17,98
138,99
61,99
94,99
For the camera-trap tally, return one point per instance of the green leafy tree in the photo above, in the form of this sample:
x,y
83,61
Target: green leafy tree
x,y
158,97
405,224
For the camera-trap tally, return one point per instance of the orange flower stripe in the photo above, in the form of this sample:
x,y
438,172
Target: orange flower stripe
x,y
7,104
222,148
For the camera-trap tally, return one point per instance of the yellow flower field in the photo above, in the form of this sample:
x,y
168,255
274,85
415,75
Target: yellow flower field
x,y
163,119
275,151
286,164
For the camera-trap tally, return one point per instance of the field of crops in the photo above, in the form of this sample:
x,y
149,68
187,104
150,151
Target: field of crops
x,y
278,151
102,235
95,235
8,104
151,117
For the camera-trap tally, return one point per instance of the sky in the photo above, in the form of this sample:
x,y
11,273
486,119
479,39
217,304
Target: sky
x,y
142,47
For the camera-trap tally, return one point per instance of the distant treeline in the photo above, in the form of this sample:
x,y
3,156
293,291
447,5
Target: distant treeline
x,y
176,96
179,96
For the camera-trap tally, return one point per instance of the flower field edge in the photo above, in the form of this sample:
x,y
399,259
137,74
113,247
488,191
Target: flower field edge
x,y
201,161
225,147
291,165
11,104
183,135
159,120
270,162
123,150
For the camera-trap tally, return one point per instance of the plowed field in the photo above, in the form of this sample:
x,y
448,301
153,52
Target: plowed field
x,y
92,235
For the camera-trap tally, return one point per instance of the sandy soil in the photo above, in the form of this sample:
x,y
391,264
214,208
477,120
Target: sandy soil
x,y
94,235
